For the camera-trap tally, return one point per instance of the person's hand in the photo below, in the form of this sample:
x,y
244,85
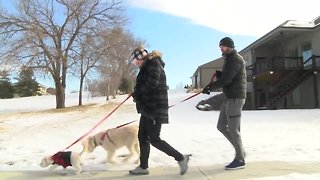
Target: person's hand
x,y
206,90
133,97
218,74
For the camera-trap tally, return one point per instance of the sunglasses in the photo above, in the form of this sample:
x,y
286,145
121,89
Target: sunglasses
x,y
137,56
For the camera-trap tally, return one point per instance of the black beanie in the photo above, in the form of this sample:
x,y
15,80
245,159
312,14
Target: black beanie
x,y
226,41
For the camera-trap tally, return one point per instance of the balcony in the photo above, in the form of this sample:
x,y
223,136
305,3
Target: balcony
x,y
265,65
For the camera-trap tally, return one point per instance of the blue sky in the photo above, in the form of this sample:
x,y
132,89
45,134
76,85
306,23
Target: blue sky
x,y
184,45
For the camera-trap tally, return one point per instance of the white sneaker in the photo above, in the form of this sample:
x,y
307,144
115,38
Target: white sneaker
x,y
139,171
184,164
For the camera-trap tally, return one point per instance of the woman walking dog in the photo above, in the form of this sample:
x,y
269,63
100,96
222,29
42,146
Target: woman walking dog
x,y
151,99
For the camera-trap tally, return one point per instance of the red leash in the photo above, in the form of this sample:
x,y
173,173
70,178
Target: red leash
x,y
212,78
102,120
98,124
186,99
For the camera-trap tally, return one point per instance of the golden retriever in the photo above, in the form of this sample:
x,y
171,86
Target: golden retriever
x,y
113,139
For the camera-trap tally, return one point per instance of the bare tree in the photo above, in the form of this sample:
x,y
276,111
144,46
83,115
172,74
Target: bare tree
x,y
90,52
43,33
95,53
114,65
92,87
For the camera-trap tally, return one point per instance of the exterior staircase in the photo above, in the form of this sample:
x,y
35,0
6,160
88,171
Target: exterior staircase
x,y
286,85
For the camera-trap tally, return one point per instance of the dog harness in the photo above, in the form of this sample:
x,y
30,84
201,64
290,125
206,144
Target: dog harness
x,y
107,134
102,138
104,135
62,158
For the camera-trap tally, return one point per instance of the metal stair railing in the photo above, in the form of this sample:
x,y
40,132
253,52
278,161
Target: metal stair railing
x,y
286,86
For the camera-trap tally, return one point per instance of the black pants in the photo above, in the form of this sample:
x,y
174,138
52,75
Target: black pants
x,y
149,132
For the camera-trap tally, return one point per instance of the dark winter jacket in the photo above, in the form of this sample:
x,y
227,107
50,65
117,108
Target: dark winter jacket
x,y
233,78
151,93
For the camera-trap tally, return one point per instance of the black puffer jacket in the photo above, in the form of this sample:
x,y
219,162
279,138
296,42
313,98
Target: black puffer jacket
x,y
151,93
233,78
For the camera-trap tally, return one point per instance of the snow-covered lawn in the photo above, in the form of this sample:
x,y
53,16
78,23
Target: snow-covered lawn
x,y
31,128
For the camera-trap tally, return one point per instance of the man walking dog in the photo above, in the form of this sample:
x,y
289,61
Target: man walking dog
x,y
151,99
233,81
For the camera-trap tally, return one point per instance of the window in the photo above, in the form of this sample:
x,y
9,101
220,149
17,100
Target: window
x,y
306,53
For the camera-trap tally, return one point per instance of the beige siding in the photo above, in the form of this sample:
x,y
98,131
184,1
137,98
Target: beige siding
x,y
318,83
297,43
206,75
306,97
247,57
316,42
265,51
206,71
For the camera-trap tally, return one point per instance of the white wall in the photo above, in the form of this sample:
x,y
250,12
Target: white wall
x,y
298,43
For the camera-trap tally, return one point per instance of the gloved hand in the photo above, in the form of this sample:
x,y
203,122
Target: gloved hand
x,y
206,90
133,96
218,74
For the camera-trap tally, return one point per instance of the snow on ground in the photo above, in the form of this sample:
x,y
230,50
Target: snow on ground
x,y
30,128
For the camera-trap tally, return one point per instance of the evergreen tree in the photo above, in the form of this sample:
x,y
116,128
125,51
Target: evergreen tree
x,y
126,85
6,88
26,85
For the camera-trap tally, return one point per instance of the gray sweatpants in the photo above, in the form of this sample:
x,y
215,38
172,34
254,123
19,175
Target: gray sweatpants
x,y
229,124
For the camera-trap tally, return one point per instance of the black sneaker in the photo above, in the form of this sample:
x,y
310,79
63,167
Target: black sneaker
x,y
236,164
